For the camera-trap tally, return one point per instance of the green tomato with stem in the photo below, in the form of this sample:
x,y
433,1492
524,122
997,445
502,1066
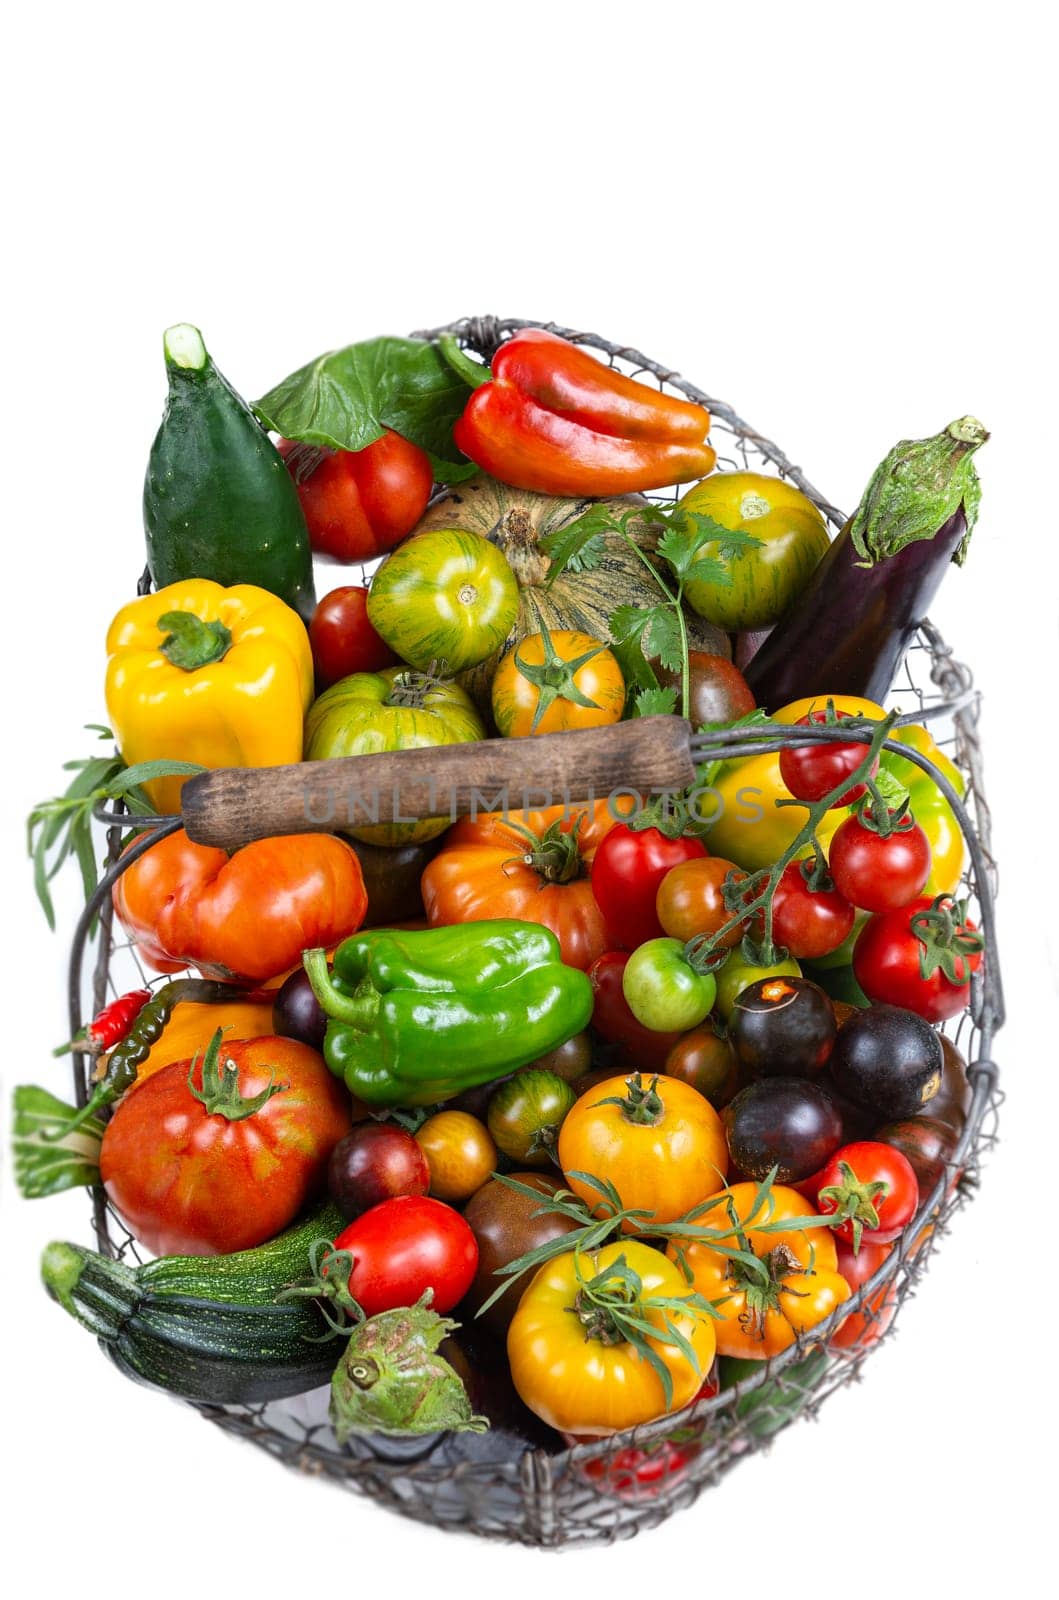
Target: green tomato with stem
x,y
663,990
447,597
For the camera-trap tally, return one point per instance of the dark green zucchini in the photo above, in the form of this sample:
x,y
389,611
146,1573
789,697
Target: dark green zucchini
x,y
217,500
205,1327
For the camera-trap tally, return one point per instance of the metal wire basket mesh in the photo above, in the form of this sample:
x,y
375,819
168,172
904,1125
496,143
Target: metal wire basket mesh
x,y
543,1493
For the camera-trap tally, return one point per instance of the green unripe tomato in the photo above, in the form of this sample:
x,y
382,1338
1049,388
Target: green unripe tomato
x,y
663,992
526,1113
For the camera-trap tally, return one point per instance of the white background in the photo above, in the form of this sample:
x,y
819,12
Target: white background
x,y
833,215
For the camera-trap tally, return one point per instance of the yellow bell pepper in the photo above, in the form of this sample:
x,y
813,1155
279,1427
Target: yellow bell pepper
x,y
197,672
192,1026
751,830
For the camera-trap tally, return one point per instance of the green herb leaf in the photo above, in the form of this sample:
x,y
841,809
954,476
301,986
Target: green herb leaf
x,y
655,702
655,631
579,546
731,542
62,826
346,399
45,1164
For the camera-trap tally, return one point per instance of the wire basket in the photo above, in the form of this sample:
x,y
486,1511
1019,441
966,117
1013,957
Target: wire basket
x,y
533,1489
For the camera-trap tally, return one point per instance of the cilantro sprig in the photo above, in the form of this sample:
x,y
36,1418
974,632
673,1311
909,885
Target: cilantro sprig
x,y
691,548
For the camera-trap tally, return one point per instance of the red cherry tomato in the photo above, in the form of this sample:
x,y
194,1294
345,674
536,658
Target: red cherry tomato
x,y
900,956
809,923
642,1472
872,1188
405,1246
358,504
626,874
814,770
877,872
641,1048
862,1328
343,640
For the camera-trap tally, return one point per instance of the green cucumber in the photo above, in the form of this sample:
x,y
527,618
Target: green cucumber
x,y
218,501
205,1327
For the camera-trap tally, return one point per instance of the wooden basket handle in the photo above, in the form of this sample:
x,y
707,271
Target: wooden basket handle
x,y
229,808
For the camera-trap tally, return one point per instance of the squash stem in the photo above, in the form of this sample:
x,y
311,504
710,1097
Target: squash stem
x,y
184,348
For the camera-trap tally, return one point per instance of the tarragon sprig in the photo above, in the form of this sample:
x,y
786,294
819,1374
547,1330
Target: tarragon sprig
x,y
62,826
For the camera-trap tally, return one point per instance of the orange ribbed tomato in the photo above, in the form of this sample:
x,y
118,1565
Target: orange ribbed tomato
x,y
795,1285
532,865
248,915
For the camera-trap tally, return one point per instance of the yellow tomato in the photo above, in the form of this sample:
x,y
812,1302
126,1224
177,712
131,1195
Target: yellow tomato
x,y
569,1361
796,1285
551,682
659,1142
460,1153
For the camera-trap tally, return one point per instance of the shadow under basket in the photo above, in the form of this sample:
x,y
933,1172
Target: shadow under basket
x,y
510,1484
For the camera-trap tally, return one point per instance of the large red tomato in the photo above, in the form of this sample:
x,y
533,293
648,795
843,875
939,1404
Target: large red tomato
x,y
221,1153
358,504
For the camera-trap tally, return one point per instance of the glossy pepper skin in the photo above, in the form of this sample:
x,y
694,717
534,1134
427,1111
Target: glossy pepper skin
x,y
221,677
556,420
417,1016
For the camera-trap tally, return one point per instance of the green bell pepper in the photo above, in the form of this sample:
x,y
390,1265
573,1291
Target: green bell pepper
x,y
415,1017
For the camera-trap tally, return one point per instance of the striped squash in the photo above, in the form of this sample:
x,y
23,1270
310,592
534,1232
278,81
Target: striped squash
x,y
516,520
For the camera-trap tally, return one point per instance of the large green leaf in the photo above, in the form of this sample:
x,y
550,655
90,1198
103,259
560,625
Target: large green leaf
x,y
346,399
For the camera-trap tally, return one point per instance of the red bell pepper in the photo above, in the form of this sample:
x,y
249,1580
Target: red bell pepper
x,y
556,420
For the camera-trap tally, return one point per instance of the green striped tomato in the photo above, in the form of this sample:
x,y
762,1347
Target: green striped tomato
x,y
398,709
448,597
766,577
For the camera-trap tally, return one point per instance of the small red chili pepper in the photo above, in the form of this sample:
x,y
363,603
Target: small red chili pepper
x,y
556,420
110,1026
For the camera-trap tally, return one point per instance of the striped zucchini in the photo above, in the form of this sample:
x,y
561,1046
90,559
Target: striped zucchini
x,y
204,1327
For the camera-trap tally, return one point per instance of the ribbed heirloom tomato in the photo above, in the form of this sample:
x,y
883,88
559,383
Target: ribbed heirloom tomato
x,y
532,865
657,1140
793,1284
572,1361
219,1154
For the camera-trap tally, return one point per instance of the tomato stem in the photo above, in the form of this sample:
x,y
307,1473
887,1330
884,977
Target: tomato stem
x,y
698,952
644,1108
220,1093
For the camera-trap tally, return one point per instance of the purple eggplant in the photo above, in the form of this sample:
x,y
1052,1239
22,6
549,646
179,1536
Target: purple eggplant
x,y
849,629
